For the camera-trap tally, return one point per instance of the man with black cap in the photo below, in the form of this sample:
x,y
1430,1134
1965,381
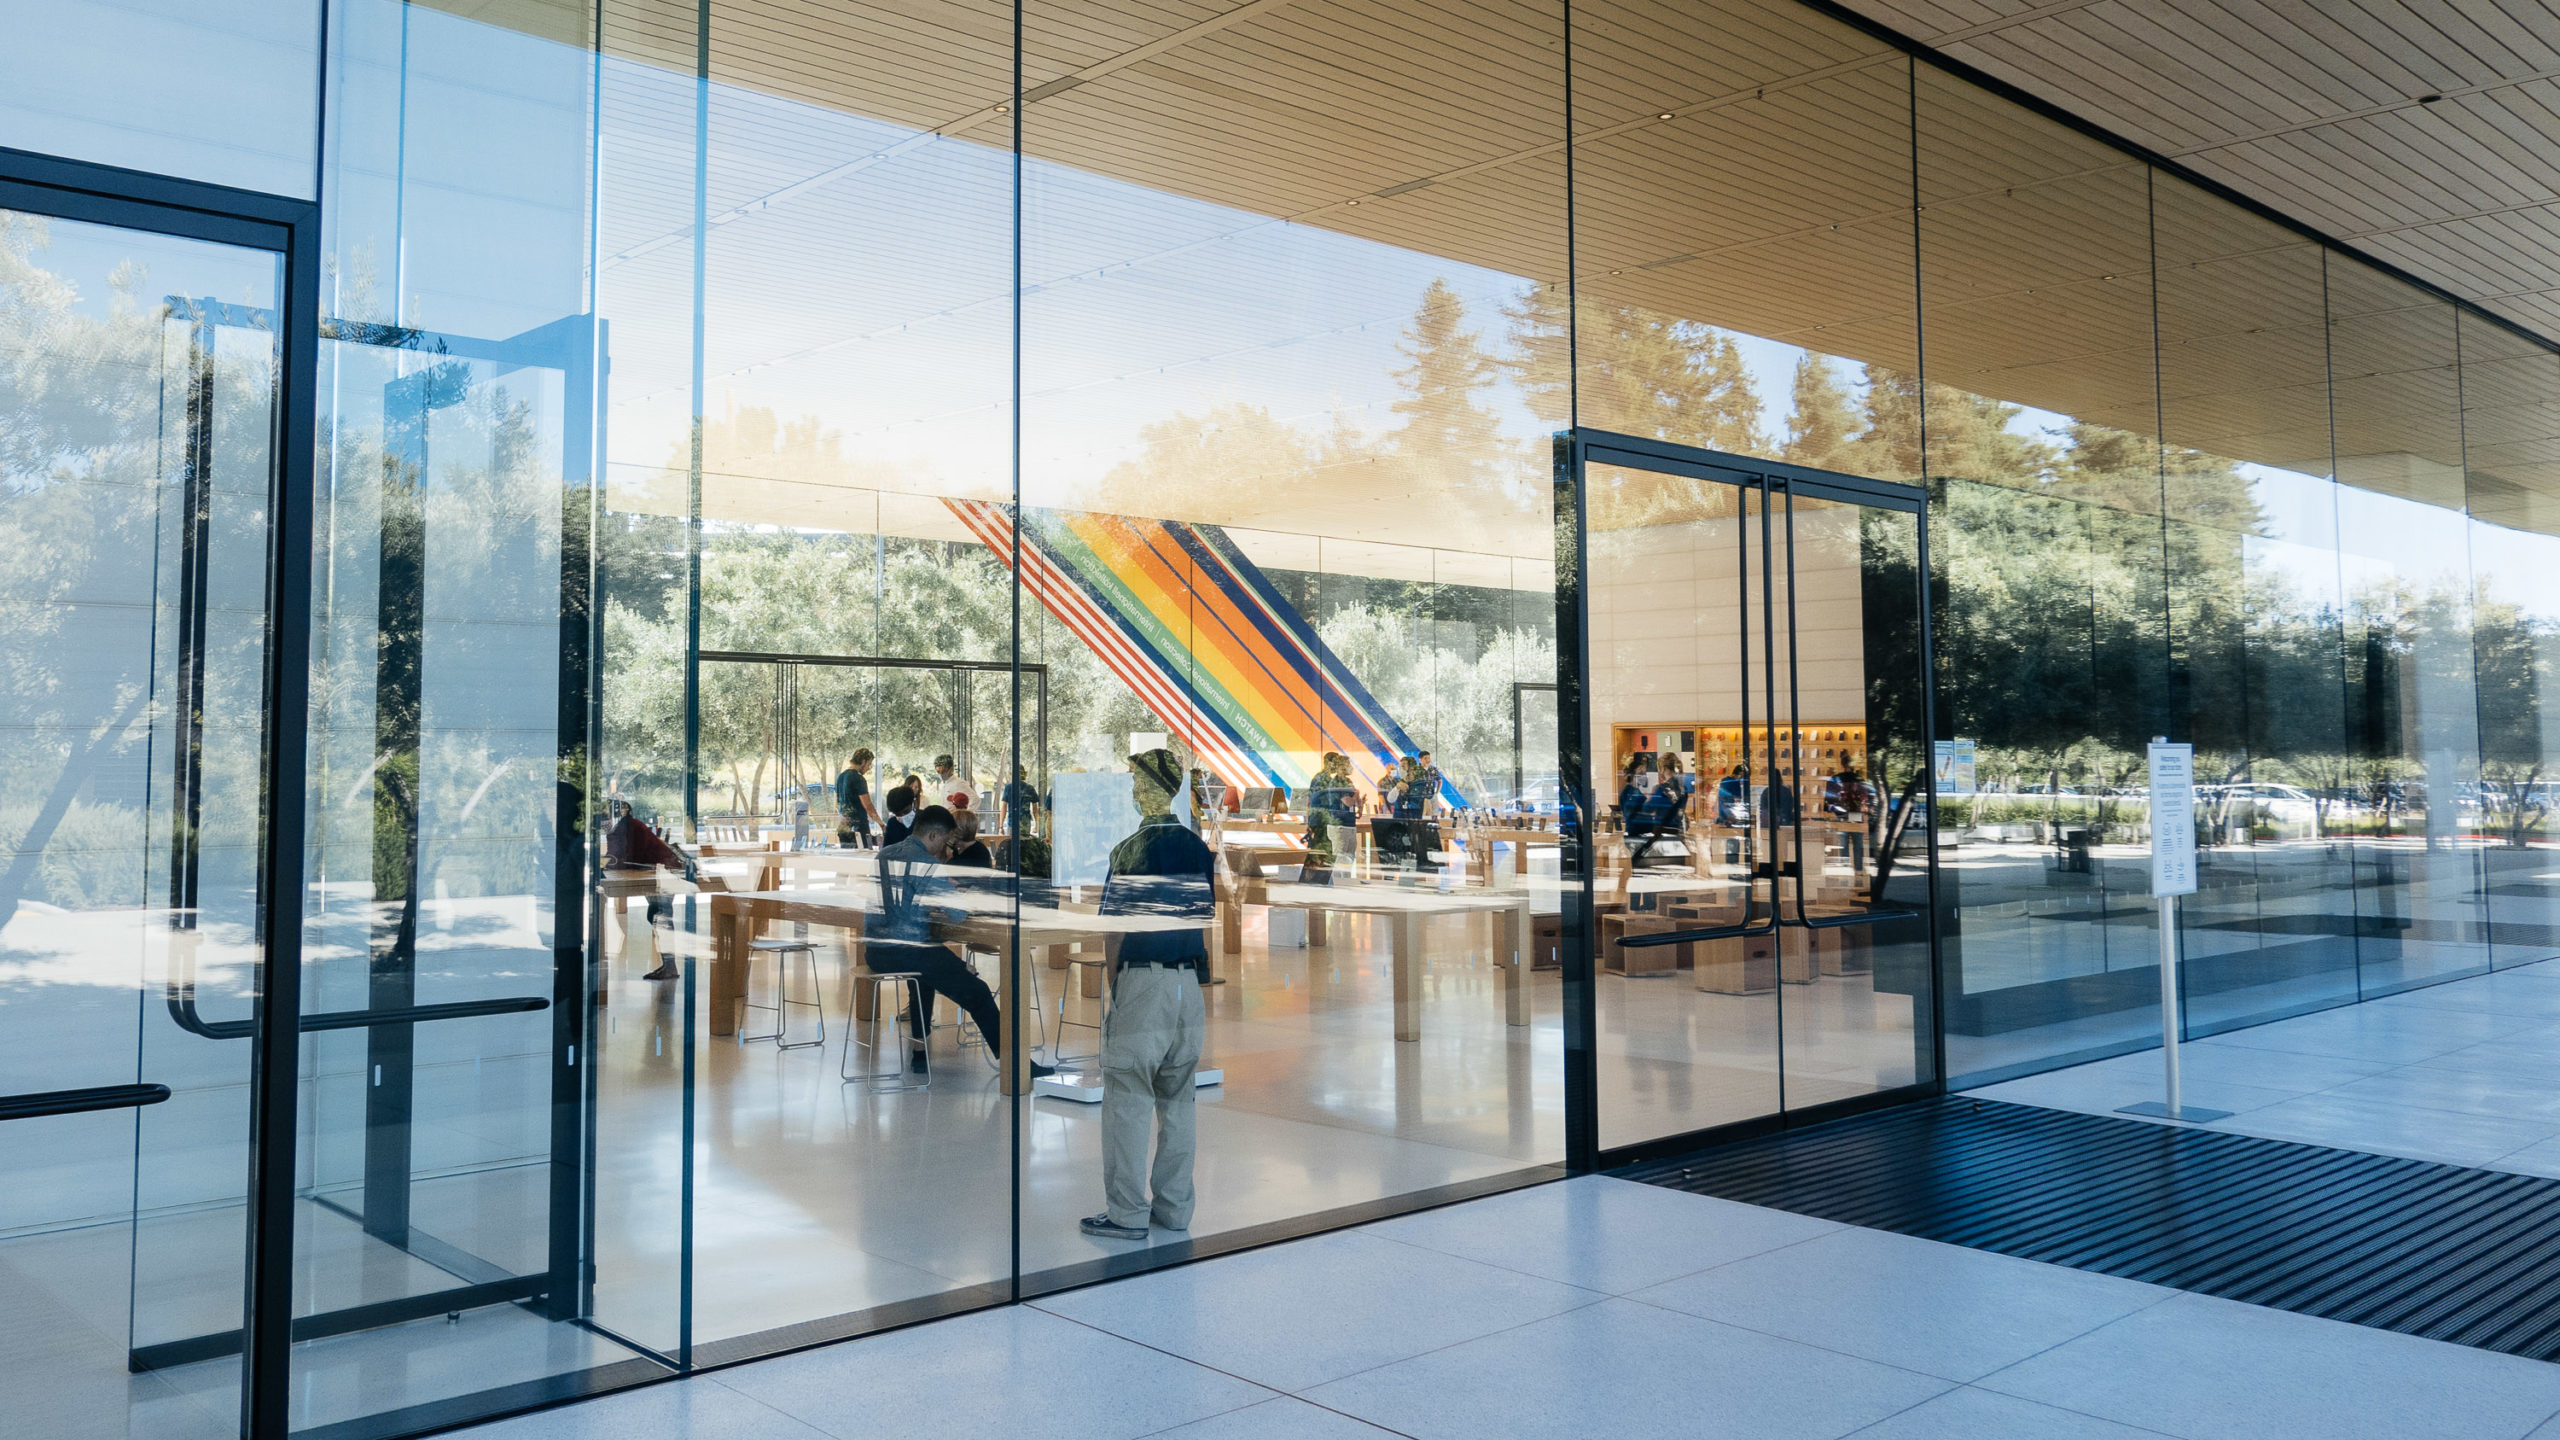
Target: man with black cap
x,y
1151,1039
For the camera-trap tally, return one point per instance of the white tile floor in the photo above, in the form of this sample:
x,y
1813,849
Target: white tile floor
x,y
2467,1073
1601,1307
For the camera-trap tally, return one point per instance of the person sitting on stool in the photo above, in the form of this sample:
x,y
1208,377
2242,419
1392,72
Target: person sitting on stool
x,y
1151,1039
899,937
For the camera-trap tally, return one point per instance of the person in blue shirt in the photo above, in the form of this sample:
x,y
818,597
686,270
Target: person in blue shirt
x,y
898,934
853,800
1733,798
1151,1039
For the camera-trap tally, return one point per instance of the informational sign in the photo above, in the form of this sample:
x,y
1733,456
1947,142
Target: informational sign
x,y
1955,767
2173,819
1090,813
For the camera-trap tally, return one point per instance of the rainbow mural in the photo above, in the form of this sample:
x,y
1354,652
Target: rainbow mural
x,y
1200,635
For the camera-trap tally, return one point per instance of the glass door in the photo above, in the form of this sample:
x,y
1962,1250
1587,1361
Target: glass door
x,y
139,401
1756,762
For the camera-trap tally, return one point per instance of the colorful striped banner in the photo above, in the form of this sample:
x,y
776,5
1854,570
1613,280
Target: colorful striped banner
x,y
1202,637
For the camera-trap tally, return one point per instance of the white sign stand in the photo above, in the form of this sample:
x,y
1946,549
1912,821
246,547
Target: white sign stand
x,y
2173,873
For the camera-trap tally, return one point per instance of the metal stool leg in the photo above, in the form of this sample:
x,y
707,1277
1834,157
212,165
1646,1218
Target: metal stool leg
x,y
808,956
1057,1053
747,999
865,1035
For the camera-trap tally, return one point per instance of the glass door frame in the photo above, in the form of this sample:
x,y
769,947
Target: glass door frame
x,y
289,228
1574,452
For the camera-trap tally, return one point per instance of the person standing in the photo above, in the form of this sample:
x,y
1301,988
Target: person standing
x,y
1021,800
1332,803
951,790
1151,1039
853,800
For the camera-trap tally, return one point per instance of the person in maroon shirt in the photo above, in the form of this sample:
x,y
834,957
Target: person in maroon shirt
x,y
630,845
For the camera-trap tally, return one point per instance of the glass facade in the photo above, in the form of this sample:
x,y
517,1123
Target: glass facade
x,y
1651,538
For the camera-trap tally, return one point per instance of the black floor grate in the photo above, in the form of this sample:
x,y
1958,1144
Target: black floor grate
x,y
2471,1256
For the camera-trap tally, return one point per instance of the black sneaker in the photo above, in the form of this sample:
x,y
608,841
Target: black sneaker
x,y
1042,1072
666,971
1101,1226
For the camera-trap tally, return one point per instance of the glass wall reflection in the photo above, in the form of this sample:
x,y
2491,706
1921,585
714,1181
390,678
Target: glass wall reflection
x,y
853,592
1285,519
139,390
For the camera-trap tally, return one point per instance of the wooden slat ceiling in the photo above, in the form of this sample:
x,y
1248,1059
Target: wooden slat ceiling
x,y
2425,132
1774,200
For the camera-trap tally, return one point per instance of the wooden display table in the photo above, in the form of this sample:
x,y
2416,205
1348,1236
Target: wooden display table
x,y
986,922
1405,911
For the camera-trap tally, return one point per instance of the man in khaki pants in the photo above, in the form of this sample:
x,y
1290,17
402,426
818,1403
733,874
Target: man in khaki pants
x,y
1151,1039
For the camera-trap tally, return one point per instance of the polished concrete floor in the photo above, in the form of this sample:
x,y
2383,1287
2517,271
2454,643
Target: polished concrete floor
x,y
1600,1307
2467,1073
2277,928
812,1199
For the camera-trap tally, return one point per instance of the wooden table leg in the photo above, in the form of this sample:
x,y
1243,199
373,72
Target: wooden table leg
x,y
1231,927
1511,951
1406,925
1315,927
726,927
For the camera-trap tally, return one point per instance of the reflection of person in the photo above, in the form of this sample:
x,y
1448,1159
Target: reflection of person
x,y
1430,780
1413,790
1332,801
853,800
1151,1039
630,845
902,804
899,935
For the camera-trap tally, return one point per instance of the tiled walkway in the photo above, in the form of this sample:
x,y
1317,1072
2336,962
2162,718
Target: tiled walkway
x,y
1601,1307
2467,1073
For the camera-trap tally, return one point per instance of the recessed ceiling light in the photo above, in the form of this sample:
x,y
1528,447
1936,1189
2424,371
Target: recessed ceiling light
x,y
1004,109
1352,202
1664,115
2430,99
1617,272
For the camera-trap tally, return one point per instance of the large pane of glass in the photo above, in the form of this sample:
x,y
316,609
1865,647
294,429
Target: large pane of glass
x,y
1685,618
2404,555
1288,321
1852,690
1756,696
139,400
224,92
812,393
2511,456
1742,219
450,1251
2035,288
2254,606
